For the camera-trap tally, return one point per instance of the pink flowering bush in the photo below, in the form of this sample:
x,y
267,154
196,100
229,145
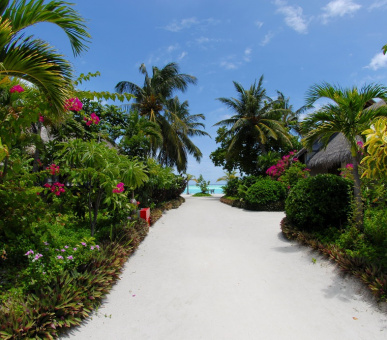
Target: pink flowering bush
x,y
347,172
73,104
54,169
288,170
275,171
56,188
94,119
16,88
119,188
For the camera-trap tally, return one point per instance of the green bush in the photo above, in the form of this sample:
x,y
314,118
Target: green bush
x,y
231,187
319,202
266,194
375,227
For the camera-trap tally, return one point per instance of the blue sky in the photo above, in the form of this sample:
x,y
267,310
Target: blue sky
x,y
294,44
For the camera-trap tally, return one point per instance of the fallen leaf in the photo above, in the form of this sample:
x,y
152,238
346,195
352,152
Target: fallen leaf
x,y
355,318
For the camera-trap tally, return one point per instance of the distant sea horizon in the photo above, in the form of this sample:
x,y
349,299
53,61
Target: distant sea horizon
x,y
193,189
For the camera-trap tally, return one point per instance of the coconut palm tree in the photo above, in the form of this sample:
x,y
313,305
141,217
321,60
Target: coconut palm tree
x,y
287,114
150,98
189,178
255,120
178,126
154,101
32,59
347,113
228,176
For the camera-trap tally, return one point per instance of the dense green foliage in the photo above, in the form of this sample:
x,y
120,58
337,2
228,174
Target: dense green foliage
x,y
319,202
259,125
266,194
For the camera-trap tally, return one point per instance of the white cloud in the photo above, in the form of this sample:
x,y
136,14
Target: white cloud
x,y
259,23
229,65
172,48
377,62
182,55
179,25
294,17
176,26
339,8
247,55
267,38
378,4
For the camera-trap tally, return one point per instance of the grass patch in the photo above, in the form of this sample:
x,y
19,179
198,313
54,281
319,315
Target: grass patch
x,y
200,194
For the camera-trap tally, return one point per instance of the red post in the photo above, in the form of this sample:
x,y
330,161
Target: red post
x,y
145,214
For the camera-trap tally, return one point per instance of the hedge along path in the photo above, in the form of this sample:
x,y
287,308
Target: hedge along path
x,y
210,271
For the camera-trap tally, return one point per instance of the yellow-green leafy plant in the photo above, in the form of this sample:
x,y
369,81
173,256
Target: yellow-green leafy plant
x,y
376,142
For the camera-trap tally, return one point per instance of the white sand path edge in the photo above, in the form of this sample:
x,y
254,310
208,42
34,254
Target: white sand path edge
x,y
210,271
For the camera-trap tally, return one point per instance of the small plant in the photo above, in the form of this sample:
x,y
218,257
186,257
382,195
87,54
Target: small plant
x,y
202,184
314,260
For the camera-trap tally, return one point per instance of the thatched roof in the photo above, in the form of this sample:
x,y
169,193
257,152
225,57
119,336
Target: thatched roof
x,y
337,151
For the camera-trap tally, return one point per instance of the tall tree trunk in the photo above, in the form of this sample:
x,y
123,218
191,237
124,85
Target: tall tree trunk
x,y
358,212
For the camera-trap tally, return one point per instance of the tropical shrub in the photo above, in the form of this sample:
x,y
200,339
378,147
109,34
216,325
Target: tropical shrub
x,y
319,202
376,158
202,184
231,187
266,194
293,174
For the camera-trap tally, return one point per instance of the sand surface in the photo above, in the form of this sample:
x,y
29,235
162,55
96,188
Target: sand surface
x,y
210,271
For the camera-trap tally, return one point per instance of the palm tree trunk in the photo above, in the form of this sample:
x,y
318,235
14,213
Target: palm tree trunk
x,y
358,212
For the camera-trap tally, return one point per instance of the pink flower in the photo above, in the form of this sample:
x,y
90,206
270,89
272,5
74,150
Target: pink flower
x,y
361,144
83,243
66,247
97,246
93,119
30,252
92,247
349,166
73,104
70,257
41,118
53,168
16,88
120,188
75,249
59,257
62,250
38,256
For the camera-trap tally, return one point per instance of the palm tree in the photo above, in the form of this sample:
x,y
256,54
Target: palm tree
x,y
228,176
150,98
289,117
32,59
178,125
255,120
189,178
347,114
154,101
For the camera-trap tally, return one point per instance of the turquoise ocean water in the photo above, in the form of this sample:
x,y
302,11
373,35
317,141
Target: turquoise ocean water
x,y
193,189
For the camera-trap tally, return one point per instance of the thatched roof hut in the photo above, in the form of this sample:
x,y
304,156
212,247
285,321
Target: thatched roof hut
x,y
337,151
335,155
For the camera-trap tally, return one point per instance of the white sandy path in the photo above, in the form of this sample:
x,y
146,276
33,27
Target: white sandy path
x,y
209,271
